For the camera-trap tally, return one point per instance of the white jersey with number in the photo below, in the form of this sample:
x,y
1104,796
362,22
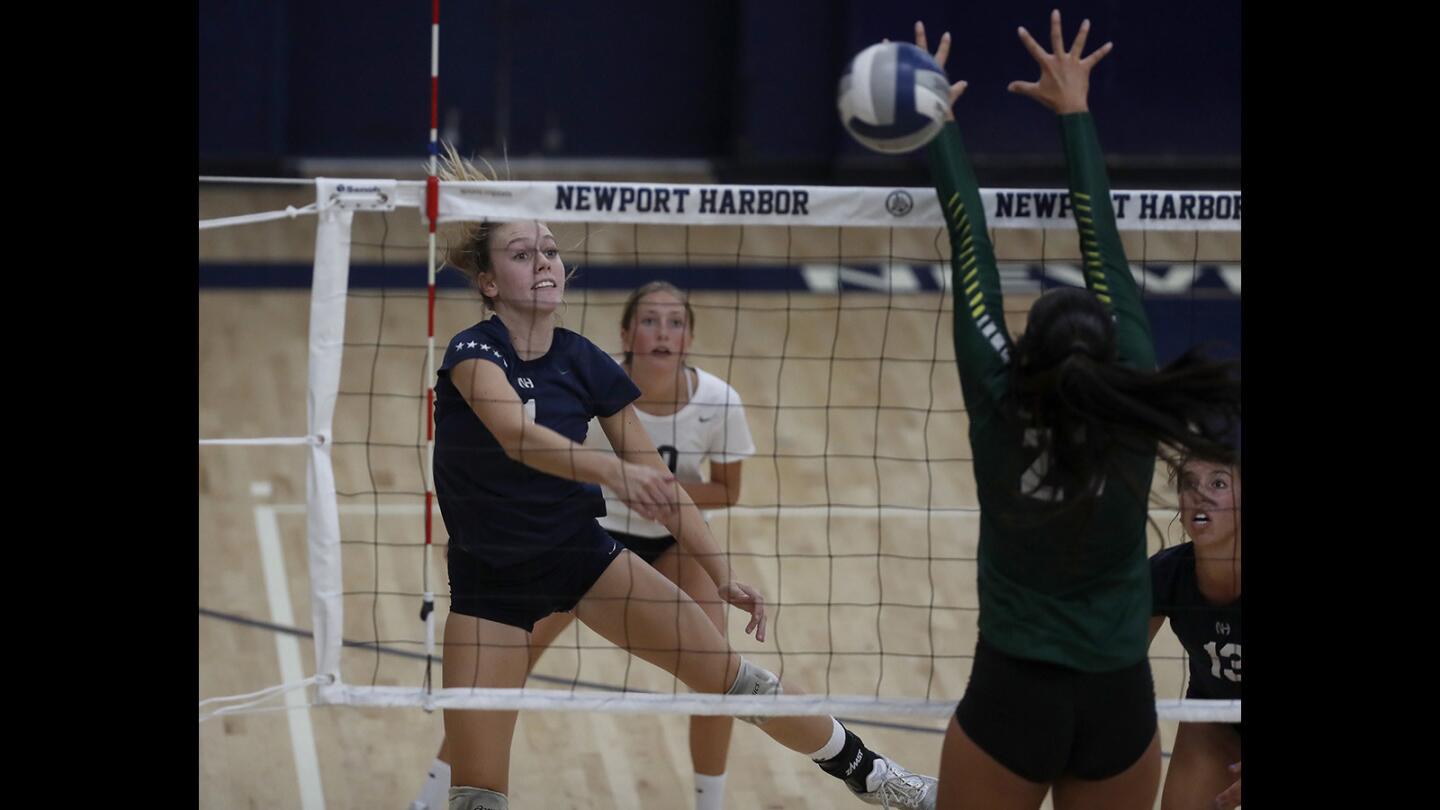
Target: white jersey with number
x,y
711,427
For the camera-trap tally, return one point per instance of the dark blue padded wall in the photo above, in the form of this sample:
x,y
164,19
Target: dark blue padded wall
x,y
737,79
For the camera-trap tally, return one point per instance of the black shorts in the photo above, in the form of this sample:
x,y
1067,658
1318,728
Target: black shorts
x,y
520,595
1043,721
648,549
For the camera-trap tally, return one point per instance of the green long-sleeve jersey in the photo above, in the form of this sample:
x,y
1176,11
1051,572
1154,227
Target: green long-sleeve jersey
x,y
1073,588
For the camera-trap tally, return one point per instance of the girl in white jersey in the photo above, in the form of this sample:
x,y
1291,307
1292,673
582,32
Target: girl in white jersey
x,y
693,417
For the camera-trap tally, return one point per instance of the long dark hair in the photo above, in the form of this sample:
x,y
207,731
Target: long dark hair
x,y
1085,407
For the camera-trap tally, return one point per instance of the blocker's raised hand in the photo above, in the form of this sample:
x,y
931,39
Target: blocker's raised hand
x,y
1064,83
941,54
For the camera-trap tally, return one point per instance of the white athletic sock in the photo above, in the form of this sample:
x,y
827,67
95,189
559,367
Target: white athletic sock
x,y
709,792
837,743
435,793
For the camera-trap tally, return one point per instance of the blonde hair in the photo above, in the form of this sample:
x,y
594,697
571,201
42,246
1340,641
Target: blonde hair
x,y
469,252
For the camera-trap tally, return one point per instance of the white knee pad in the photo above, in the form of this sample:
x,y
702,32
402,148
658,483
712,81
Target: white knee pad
x,y
469,798
754,680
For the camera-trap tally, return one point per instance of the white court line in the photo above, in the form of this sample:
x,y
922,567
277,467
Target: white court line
x,y
277,588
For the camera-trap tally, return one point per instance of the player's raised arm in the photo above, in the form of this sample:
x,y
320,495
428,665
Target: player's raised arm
x,y
1064,87
982,346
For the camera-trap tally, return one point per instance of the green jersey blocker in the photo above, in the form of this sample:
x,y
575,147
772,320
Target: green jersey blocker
x,y
1073,589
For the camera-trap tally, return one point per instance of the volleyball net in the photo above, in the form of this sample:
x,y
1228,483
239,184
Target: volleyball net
x,y
828,309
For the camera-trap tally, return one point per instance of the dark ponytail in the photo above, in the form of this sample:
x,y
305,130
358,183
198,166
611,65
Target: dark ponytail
x,y
1085,407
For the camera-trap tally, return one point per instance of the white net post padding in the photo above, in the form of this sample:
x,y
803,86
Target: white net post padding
x,y
327,335
646,204
336,202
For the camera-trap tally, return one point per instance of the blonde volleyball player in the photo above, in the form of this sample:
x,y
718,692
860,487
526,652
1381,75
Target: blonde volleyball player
x,y
519,496
1064,426
693,417
1197,586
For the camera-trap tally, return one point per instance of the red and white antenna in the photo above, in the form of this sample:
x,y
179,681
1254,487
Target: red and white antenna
x,y
432,213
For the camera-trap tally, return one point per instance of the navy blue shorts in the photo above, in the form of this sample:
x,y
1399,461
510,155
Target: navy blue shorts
x,y
1043,721
520,595
648,549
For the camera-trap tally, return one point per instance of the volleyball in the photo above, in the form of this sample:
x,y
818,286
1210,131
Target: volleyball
x,y
893,97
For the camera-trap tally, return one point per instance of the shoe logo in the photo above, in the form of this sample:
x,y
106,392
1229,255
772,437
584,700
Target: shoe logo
x,y
712,418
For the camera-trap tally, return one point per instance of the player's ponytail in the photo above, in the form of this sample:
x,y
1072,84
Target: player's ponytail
x,y
1082,407
469,252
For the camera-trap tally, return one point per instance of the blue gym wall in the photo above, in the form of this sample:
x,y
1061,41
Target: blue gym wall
x,y
743,80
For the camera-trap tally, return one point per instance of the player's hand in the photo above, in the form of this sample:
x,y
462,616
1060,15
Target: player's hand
x,y
1064,84
1230,798
650,491
941,54
749,600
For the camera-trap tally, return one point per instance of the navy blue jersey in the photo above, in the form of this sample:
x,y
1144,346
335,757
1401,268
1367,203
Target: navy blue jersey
x,y
1209,633
497,508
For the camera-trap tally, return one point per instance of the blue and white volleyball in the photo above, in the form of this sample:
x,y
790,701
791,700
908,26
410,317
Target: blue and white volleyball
x,y
893,97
